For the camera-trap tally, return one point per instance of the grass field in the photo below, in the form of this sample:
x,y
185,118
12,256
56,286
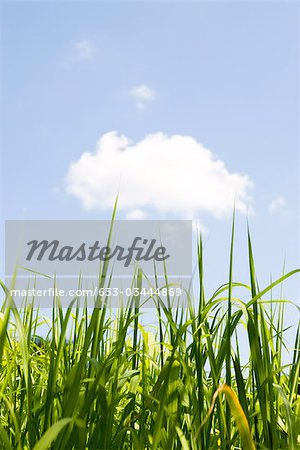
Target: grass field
x,y
104,381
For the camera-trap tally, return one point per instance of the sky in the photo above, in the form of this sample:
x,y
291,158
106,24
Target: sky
x,y
179,106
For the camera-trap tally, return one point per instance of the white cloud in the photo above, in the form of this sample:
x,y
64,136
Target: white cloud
x,y
83,49
136,214
277,205
171,175
141,95
199,228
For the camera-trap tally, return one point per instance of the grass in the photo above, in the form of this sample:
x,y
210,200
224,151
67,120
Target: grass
x,y
105,381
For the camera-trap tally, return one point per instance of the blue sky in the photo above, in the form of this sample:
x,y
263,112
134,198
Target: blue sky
x,y
224,74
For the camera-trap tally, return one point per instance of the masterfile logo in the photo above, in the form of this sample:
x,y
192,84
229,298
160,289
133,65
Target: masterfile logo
x,y
43,251
54,250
